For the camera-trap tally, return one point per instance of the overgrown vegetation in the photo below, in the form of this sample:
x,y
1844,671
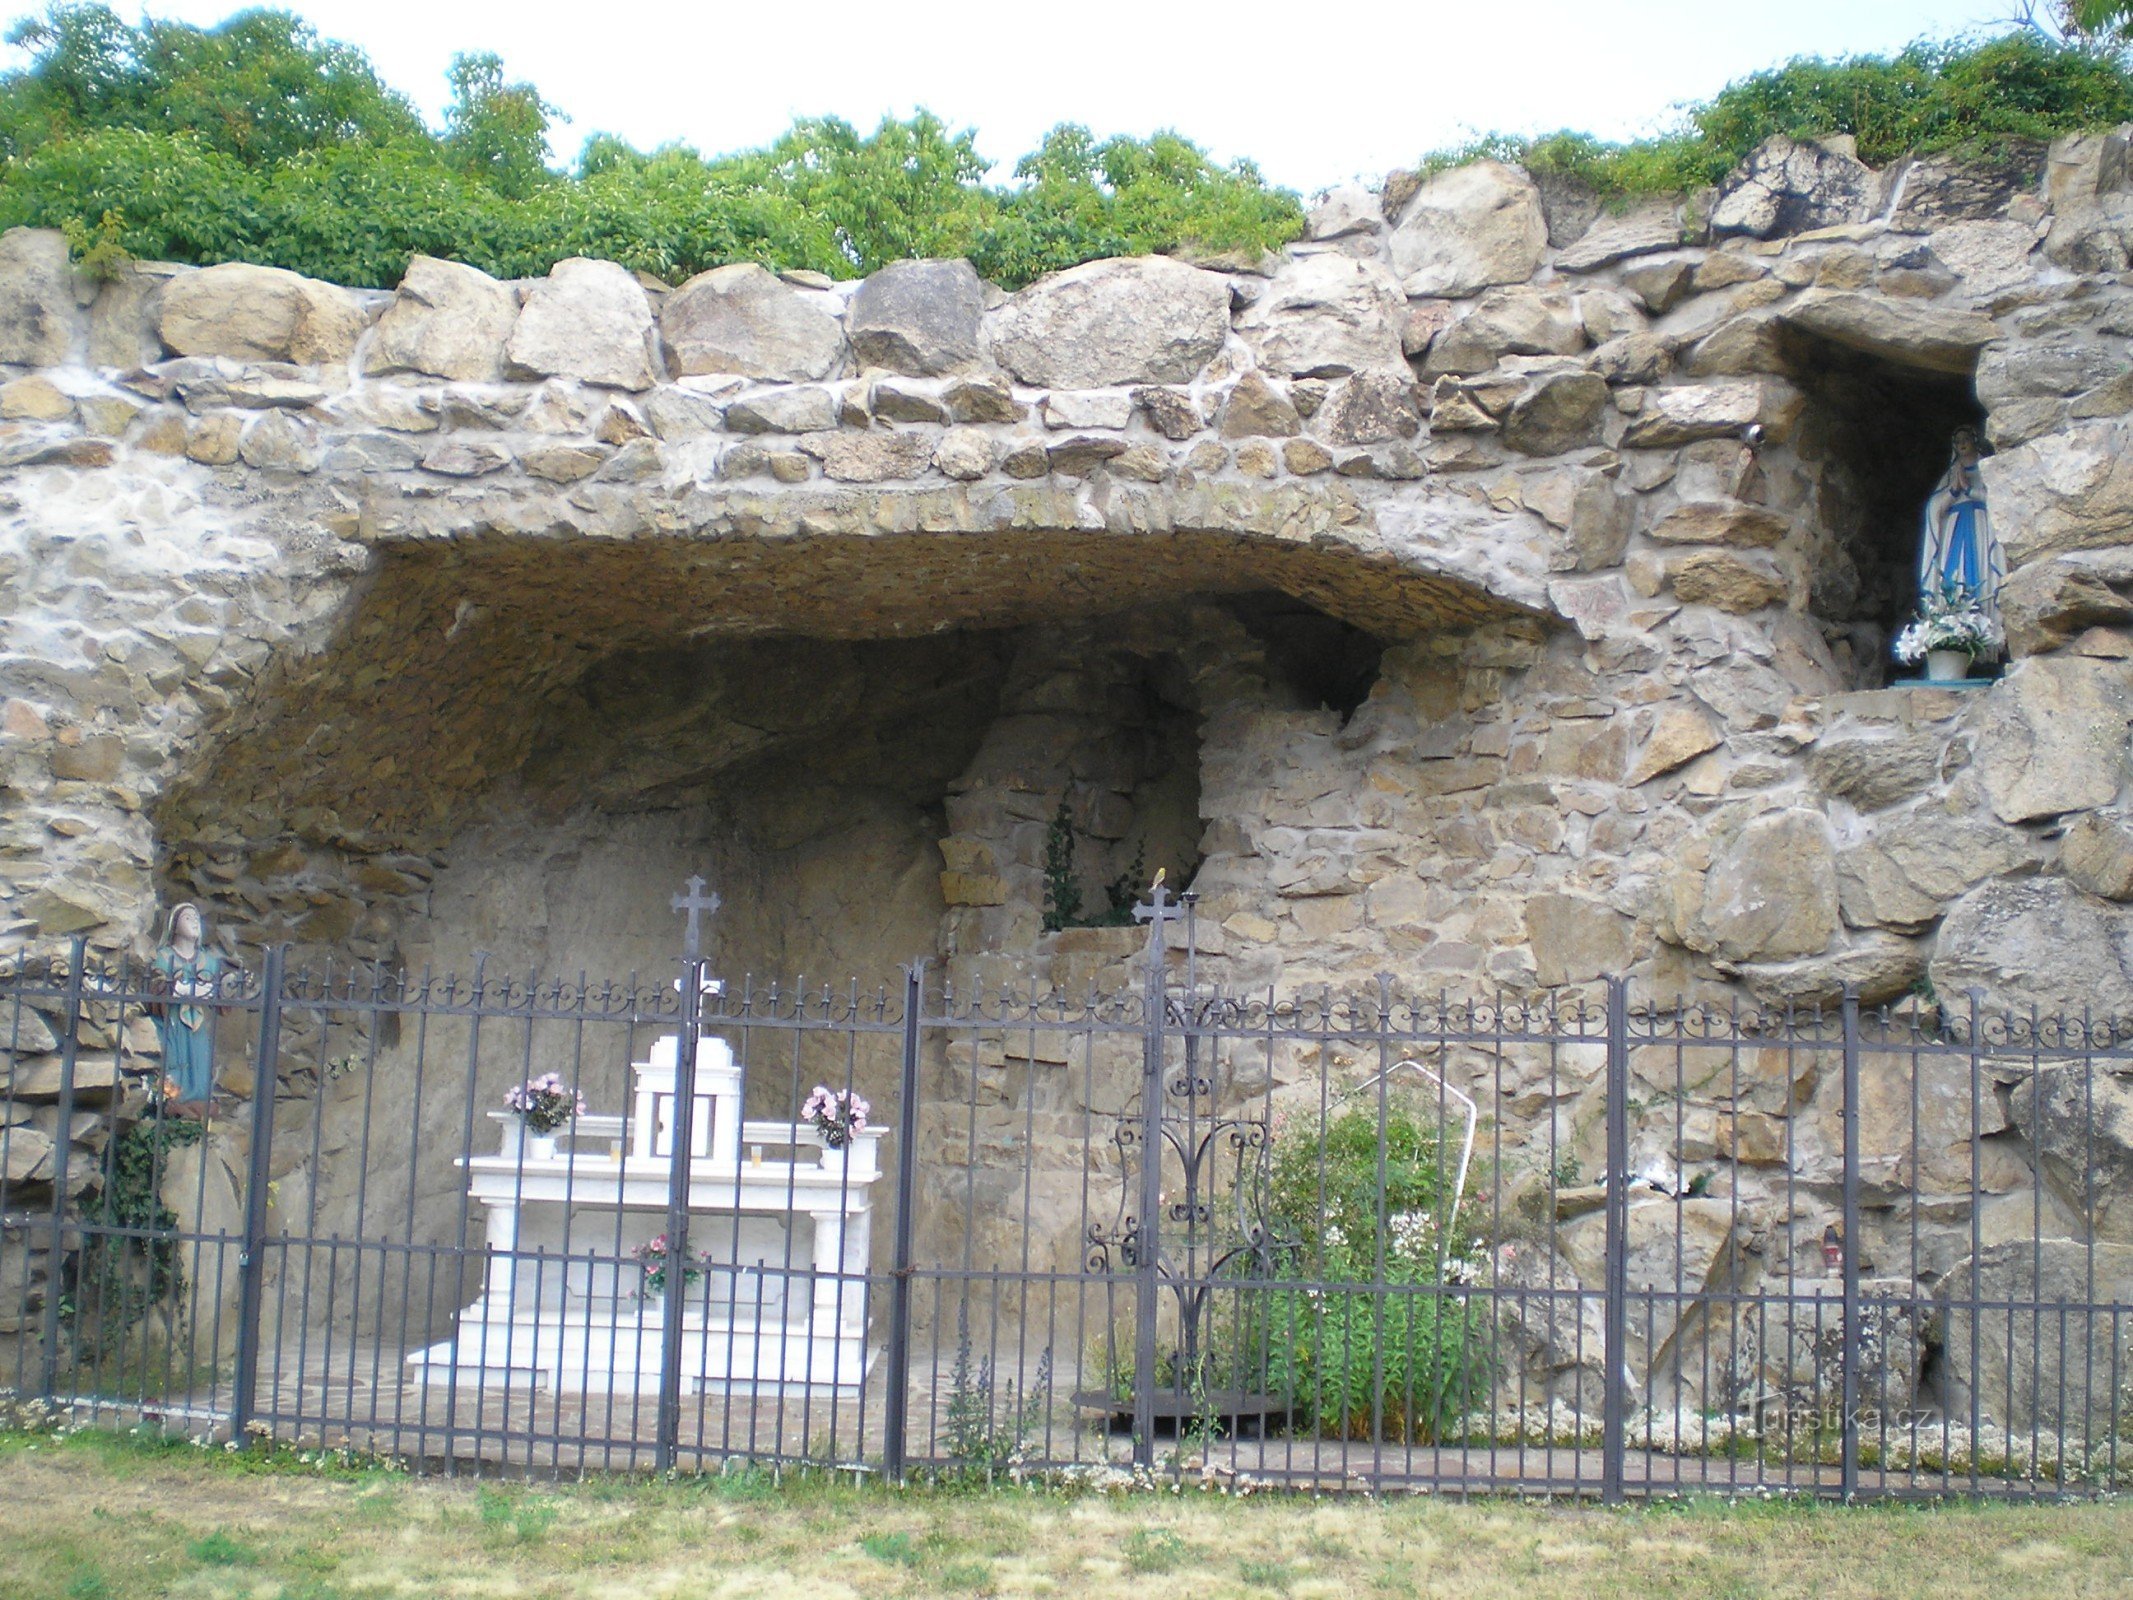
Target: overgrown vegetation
x,y
1379,1339
255,140
1063,895
1975,97
987,1430
130,1261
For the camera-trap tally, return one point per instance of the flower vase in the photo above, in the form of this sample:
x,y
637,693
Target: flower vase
x,y
1947,666
540,1146
836,1158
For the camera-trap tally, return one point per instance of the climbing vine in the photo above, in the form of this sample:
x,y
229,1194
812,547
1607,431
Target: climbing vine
x,y
1062,881
130,1261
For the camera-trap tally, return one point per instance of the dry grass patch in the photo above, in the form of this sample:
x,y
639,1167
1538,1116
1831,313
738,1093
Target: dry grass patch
x,y
93,1517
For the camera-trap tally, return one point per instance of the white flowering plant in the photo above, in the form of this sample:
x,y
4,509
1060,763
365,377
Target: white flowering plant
x,y
1370,1333
545,1103
1953,619
837,1114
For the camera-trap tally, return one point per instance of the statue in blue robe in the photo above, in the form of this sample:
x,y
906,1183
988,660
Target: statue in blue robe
x,y
191,975
1958,557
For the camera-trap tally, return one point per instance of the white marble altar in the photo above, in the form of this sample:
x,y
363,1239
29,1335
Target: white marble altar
x,y
785,1220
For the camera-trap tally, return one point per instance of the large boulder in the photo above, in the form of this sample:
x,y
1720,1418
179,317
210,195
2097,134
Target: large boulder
x,y
2078,1118
2071,489
1679,1251
1576,939
588,320
1370,408
2047,603
1916,865
741,319
258,314
1785,187
1344,212
1874,771
1644,229
1468,229
2037,942
1554,1328
2053,738
1771,895
1509,322
1560,412
2097,853
1325,316
36,298
1876,967
920,318
448,321
2029,1336
1687,412
1143,319
1902,331
1801,1339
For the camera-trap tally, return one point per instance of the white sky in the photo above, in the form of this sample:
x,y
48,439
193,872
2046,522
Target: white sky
x,y
1315,92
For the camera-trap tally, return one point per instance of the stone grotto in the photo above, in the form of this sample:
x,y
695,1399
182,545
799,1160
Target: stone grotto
x,y
1493,589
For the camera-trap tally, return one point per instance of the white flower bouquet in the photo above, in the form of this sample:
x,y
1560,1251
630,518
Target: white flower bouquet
x,y
1951,620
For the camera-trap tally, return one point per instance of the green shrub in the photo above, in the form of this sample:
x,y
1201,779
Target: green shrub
x,y
256,141
1384,1342
1981,98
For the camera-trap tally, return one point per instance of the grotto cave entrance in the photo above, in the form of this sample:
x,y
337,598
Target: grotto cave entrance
x,y
494,760
1876,434
514,757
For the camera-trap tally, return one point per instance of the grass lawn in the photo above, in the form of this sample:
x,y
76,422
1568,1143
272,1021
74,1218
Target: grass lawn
x,y
91,1515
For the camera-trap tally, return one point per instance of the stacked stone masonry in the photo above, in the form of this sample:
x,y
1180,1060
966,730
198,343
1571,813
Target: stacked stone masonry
x,y
397,623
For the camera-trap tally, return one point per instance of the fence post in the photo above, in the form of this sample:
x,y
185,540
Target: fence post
x,y
252,1252
1148,1244
62,1145
675,1301
897,1403
1615,1391
1848,1422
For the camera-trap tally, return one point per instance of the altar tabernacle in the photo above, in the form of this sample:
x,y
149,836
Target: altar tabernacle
x,y
774,1286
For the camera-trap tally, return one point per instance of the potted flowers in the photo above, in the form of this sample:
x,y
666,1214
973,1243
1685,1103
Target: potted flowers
x,y
543,1105
1953,630
652,1256
836,1114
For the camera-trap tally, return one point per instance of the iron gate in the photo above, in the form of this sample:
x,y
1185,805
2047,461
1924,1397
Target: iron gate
x,y
1555,1243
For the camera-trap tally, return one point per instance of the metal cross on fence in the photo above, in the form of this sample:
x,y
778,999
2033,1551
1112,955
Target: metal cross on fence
x,y
696,905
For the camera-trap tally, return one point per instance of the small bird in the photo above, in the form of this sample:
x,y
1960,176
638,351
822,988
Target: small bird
x,y
1160,874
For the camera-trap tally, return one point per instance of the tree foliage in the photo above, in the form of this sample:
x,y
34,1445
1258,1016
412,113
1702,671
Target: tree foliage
x,y
255,140
1978,97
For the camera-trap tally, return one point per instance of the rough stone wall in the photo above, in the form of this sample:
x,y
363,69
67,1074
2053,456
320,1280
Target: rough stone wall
x,y
323,606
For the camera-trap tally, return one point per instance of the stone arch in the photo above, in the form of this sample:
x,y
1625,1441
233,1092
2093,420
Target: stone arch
x,y
795,709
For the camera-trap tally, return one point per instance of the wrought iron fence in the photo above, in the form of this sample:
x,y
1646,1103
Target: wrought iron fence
x,y
1560,1243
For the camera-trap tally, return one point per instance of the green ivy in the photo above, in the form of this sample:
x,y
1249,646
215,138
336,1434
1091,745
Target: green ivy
x,y
1062,880
122,1274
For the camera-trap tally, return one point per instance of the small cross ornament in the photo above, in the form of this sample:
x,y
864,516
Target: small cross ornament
x,y
696,905
1160,901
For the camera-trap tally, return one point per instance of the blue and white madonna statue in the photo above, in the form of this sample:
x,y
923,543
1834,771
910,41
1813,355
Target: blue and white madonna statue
x,y
1958,556
191,975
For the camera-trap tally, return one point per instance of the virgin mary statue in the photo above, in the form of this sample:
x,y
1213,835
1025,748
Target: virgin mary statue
x,y
189,974
1958,557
